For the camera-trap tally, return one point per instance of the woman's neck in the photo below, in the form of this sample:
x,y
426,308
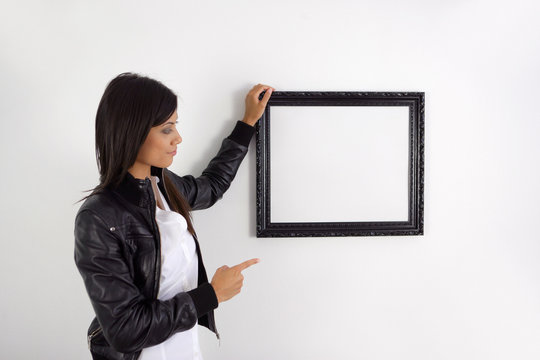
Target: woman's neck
x,y
140,171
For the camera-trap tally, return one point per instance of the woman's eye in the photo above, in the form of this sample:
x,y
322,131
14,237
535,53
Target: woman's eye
x,y
167,131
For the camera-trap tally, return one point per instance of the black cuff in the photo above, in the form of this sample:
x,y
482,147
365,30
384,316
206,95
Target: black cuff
x,y
242,133
205,299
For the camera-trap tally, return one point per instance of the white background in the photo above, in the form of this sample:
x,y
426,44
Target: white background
x,y
468,289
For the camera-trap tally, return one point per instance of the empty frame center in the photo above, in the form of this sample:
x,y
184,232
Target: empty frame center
x,y
339,163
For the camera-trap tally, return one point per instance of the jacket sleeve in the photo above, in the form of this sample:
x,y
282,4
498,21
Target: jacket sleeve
x,y
204,191
129,321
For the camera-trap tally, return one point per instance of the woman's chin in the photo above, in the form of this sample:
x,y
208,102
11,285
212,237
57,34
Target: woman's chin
x,y
163,164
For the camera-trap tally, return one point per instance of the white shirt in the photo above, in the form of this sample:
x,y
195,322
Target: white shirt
x,y
179,269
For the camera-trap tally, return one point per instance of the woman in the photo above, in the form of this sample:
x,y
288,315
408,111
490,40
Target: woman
x,y
135,245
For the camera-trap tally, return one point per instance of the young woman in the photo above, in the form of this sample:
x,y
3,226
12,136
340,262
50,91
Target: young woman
x,y
135,245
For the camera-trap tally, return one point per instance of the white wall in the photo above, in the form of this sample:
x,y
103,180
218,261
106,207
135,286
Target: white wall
x,y
467,289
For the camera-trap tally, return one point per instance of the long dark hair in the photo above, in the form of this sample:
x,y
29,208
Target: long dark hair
x,y
130,106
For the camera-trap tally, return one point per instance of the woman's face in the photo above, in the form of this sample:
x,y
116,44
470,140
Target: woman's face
x,y
159,147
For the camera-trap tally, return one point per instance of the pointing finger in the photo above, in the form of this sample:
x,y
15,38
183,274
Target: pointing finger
x,y
245,264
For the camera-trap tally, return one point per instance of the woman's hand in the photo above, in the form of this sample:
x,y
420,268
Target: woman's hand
x,y
254,106
227,281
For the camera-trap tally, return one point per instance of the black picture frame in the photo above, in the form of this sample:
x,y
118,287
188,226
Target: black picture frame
x,y
414,226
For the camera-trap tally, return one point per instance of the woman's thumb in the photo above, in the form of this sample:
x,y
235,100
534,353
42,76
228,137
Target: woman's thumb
x,y
267,95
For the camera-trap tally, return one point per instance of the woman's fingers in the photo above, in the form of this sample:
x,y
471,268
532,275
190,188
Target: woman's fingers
x,y
228,281
242,266
255,106
266,96
258,89
261,87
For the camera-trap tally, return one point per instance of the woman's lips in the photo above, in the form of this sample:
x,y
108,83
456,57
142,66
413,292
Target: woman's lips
x,y
173,153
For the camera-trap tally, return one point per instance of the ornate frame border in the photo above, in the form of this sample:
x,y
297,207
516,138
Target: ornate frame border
x,y
415,223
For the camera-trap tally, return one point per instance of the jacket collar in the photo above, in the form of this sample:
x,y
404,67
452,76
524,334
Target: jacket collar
x,y
136,190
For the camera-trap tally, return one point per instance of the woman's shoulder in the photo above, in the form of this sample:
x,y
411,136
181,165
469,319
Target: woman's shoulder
x,y
103,204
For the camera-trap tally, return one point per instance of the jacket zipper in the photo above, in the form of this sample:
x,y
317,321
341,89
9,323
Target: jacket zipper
x,y
158,262
217,334
92,335
168,197
212,317
157,272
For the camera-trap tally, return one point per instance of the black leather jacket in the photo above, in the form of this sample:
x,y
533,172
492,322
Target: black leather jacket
x,y
117,252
